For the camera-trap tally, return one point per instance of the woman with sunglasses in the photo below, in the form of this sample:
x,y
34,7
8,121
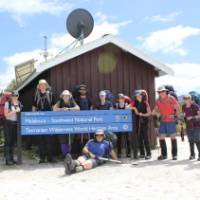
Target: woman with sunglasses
x,y
192,117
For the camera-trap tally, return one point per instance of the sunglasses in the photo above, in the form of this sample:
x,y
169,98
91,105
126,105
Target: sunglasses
x,y
161,92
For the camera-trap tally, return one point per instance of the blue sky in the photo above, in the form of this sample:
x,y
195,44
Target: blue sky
x,y
167,30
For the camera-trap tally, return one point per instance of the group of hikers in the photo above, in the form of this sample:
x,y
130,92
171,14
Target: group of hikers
x,y
166,109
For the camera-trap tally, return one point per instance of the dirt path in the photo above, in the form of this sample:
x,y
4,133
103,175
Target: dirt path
x,y
170,180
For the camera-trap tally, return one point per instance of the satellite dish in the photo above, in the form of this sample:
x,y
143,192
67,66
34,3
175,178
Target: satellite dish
x,y
80,24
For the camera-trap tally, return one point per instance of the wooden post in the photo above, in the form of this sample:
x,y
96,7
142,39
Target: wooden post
x,y
19,140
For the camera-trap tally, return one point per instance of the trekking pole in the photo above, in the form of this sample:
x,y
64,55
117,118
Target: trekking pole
x,y
157,134
182,133
109,160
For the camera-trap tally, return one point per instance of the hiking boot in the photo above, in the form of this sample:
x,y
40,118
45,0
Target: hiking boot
x,y
9,163
51,160
142,156
174,158
163,150
69,164
192,157
79,169
174,149
148,157
161,157
41,161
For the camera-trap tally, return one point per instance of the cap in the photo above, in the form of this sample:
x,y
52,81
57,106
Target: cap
x,y
137,93
99,132
162,88
15,94
121,95
65,93
102,93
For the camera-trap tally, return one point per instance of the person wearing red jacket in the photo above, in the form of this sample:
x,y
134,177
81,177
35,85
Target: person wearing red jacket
x,y
168,108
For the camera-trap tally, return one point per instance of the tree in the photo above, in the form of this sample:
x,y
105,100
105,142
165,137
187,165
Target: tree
x,y
12,86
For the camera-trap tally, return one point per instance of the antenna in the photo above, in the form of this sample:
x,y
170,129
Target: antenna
x,y
45,52
80,24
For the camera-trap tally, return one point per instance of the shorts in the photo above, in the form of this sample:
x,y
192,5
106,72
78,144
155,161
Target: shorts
x,y
95,162
167,128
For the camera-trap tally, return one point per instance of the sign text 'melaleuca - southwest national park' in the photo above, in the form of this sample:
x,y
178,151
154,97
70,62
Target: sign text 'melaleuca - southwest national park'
x,y
74,122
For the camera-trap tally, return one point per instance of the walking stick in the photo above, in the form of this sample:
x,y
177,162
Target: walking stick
x,y
109,160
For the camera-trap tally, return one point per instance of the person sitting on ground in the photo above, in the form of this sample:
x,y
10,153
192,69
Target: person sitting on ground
x,y
93,151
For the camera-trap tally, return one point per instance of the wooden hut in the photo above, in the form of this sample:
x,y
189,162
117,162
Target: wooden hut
x,y
107,63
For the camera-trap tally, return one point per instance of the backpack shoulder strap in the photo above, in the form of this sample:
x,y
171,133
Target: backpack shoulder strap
x,y
49,97
170,102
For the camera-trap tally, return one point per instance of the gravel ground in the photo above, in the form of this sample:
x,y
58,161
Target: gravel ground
x,y
170,180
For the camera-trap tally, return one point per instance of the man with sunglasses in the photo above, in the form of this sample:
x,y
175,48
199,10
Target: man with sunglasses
x,y
92,152
168,108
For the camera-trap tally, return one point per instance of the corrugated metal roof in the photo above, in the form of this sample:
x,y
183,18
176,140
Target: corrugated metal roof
x,y
161,68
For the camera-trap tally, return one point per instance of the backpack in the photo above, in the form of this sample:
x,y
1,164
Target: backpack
x,y
128,99
171,91
195,97
4,98
37,96
169,99
109,96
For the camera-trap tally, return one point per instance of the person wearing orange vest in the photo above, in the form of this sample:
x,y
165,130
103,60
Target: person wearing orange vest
x,y
168,108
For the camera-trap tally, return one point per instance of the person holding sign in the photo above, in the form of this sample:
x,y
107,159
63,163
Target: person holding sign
x,y
94,153
12,107
65,103
105,103
43,101
123,139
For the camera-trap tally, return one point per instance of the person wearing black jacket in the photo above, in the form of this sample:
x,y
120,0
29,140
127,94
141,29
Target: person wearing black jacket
x,y
122,138
43,101
142,114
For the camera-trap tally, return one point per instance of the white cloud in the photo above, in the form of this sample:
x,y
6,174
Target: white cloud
x,y
169,40
57,43
17,58
186,77
20,8
163,18
62,40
